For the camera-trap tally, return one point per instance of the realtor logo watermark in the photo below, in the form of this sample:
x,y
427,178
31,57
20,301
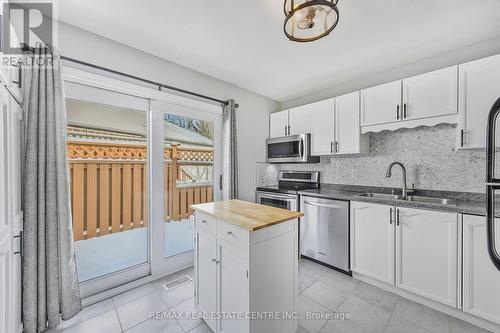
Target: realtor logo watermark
x,y
26,25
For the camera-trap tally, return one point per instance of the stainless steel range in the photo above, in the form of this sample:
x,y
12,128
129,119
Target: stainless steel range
x,y
285,194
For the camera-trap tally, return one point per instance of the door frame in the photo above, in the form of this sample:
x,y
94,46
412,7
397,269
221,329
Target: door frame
x,y
117,282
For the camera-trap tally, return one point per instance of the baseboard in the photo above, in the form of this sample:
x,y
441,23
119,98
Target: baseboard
x,y
454,312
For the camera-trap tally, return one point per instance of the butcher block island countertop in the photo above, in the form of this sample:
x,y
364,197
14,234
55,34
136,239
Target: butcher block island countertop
x,y
246,214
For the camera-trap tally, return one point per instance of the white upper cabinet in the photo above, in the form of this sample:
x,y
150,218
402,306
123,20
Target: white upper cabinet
x,y
481,278
278,124
431,94
372,241
348,138
427,254
381,104
322,127
299,120
479,88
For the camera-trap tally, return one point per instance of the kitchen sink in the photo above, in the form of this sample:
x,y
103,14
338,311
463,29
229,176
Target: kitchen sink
x,y
410,198
381,196
431,200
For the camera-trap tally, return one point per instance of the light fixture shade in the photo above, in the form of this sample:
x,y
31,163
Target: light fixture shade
x,y
309,20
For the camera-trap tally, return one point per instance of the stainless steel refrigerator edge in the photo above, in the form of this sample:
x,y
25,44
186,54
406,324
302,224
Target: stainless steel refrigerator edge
x,y
324,231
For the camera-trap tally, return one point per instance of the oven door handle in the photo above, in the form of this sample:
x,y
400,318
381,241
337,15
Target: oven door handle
x,y
272,196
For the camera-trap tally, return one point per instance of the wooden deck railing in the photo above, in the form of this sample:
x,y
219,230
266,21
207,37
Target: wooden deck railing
x,y
109,190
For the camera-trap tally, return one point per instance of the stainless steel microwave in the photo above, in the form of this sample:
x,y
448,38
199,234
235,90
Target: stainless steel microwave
x,y
290,149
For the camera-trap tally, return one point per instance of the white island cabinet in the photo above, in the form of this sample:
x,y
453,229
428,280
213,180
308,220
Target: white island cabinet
x,y
246,267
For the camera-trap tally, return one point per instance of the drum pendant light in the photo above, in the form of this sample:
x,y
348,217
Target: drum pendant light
x,y
309,20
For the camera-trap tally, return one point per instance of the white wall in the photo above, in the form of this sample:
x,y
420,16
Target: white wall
x,y
252,115
452,57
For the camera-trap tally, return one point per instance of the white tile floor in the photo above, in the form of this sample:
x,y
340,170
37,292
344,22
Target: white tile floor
x,y
321,290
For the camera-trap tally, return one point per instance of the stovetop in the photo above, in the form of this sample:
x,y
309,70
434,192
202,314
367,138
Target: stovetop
x,y
288,187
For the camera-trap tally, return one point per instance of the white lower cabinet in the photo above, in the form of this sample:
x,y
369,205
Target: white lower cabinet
x,y
206,294
481,280
413,249
427,254
239,272
372,241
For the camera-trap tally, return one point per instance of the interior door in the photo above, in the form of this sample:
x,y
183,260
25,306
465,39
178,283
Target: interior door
x,y
187,168
381,104
6,256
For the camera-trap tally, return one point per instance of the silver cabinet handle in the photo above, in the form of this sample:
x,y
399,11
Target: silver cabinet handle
x,y
462,142
285,129
288,129
397,112
331,147
229,233
405,115
336,147
390,218
398,217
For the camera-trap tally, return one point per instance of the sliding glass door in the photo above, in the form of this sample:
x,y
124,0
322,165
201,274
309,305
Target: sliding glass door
x,y
136,165
191,141
107,147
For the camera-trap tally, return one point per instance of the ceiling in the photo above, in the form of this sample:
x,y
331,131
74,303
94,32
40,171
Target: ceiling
x,y
242,42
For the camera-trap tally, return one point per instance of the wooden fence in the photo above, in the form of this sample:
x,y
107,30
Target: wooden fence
x,y
109,191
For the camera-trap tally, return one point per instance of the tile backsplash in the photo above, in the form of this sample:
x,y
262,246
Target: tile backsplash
x,y
428,153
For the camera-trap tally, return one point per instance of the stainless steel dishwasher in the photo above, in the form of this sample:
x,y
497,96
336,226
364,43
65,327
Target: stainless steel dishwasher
x,y
324,231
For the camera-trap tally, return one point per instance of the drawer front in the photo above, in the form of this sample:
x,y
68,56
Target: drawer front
x,y
206,221
232,233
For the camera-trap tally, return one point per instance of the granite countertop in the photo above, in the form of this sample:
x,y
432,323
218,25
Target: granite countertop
x,y
246,214
465,202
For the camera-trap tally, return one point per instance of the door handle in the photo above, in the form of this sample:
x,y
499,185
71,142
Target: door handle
x,y
397,112
462,137
285,130
492,184
220,182
398,218
322,205
390,217
404,111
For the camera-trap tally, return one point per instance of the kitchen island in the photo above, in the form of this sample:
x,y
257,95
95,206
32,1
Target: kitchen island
x,y
246,266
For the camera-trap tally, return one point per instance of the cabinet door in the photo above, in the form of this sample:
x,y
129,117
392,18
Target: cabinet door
x,y
372,241
427,254
431,94
381,104
206,273
481,293
278,124
233,287
347,126
6,320
322,127
478,90
299,120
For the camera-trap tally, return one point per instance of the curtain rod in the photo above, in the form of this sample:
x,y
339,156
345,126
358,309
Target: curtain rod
x,y
28,49
160,85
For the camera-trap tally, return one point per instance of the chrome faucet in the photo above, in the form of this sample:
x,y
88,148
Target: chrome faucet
x,y
403,170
